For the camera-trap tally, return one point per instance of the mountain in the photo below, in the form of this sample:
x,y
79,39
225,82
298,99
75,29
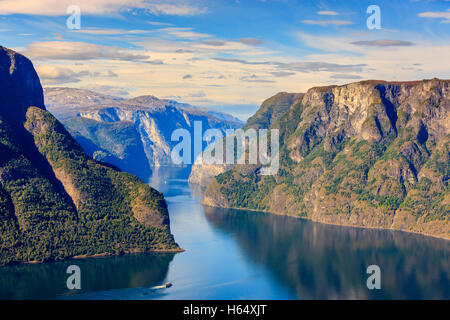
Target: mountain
x,y
65,103
270,110
368,154
55,201
133,134
219,115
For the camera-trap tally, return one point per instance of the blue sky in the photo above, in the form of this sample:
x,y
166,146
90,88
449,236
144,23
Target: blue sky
x,y
230,55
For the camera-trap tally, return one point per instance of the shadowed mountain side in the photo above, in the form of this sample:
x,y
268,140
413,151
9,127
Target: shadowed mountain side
x,y
115,143
55,201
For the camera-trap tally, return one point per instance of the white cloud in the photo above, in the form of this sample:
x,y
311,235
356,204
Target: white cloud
x,y
67,50
383,43
175,8
436,15
254,78
282,73
214,43
109,32
345,76
183,33
385,63
325,23
157,23
100,7
251,41
328,13
198,94
51,75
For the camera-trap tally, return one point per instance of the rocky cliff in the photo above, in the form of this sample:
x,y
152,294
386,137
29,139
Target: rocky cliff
x,y
270,110
370,154
56,202
133,134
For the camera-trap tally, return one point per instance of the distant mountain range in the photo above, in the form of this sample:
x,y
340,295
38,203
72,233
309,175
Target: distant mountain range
x,y
368,154
55,201
132,134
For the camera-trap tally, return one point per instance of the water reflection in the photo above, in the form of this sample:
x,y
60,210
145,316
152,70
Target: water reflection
x,y
48,281
329,262
232,254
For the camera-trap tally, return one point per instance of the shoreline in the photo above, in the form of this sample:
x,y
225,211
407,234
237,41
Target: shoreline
x,y
333,224
98,256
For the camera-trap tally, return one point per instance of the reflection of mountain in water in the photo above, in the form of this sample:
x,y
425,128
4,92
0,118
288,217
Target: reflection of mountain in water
x,y
49,280
162,176
325,262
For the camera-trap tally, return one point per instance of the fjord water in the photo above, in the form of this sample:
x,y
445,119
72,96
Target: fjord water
x,y
236,254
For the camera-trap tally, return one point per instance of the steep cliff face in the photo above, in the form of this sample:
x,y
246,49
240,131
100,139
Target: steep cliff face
x,y
269,112
20,86
156,125
116,143
55,202
272,109
372,154
141,126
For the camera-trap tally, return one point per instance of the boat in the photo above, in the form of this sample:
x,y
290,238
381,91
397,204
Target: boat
x,y
165,285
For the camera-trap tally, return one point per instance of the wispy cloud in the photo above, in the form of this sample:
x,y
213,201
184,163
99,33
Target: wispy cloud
x,y
345,76
328,13
154,62
251,41
325,23
55,75
214,43
383,43
198,94
157,23
282,74
301,66
436,15
320,66
109,32
183,33
101,7
240,61
254,78
178,8
66,50
51,75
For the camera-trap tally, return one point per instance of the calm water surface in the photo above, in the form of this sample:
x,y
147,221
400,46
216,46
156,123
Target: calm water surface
x,y
235,254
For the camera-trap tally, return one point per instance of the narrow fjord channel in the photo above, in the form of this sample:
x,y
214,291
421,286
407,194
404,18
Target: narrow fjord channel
x,y
236,254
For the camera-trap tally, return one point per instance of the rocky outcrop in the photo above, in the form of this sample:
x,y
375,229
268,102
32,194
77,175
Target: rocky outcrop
x,y
371,154
202,174
55,201
272,109
269,112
